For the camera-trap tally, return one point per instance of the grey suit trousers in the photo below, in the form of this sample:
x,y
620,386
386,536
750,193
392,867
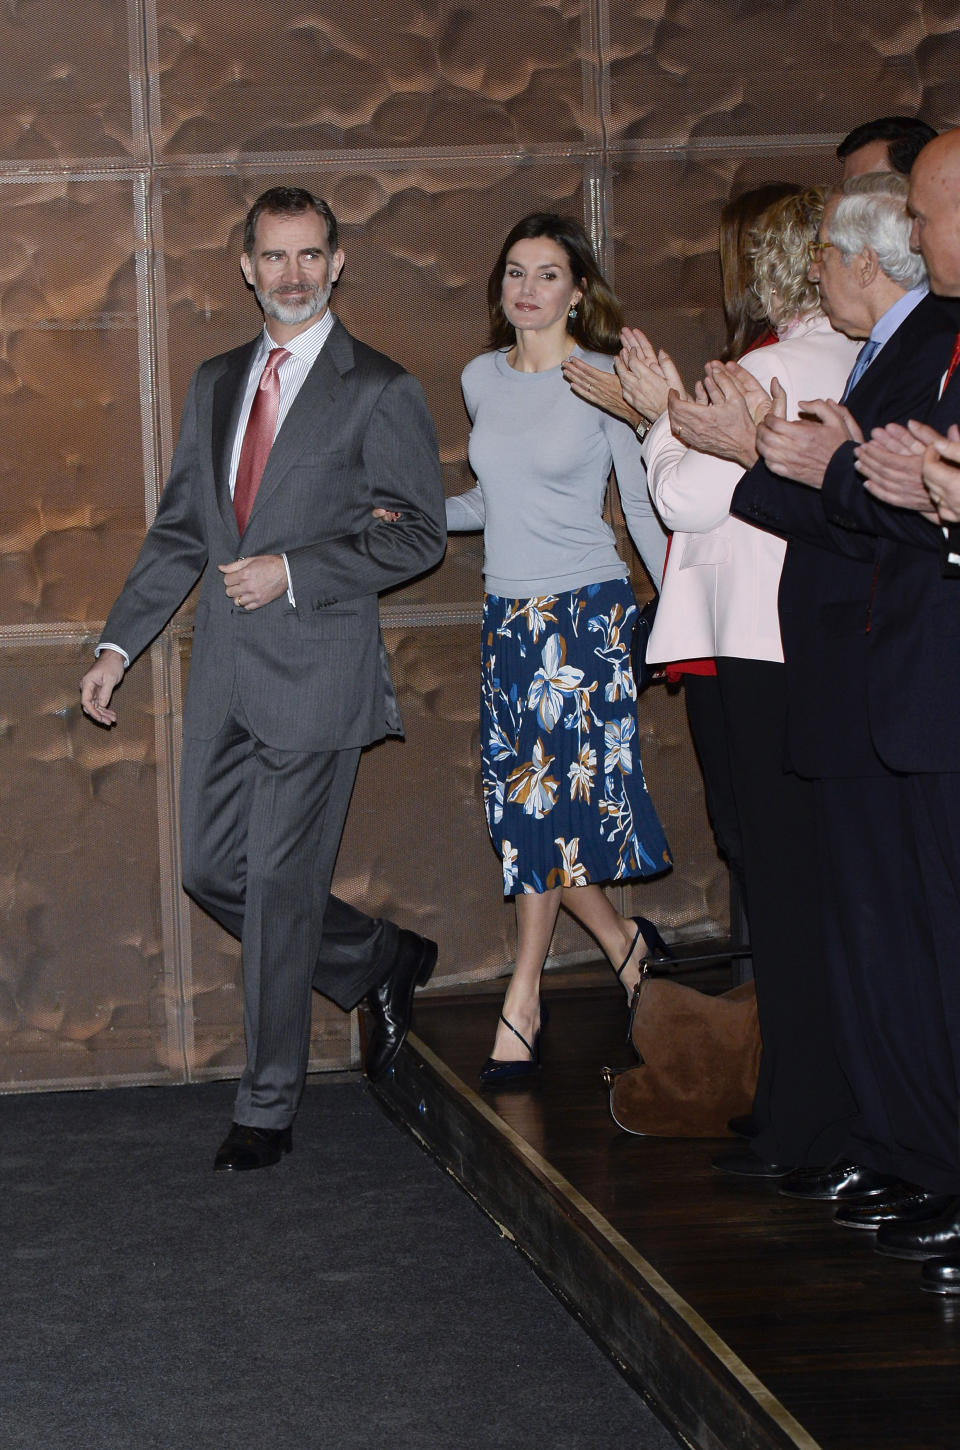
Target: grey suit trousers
x,y
260,831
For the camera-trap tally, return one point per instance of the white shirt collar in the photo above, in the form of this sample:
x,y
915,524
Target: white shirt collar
x,y
307,345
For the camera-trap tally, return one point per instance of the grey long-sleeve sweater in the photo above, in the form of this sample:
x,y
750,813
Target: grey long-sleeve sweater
x,y
542,457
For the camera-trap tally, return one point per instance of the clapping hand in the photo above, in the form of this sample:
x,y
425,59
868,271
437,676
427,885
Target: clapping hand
x,y
600,388
941,473
801,450
646,376
892,466
720,419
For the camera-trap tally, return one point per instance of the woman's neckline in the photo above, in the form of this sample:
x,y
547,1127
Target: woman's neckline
x,y
501,355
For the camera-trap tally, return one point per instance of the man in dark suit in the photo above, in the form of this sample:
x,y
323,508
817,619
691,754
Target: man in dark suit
x,y
287,446
841,733
915,650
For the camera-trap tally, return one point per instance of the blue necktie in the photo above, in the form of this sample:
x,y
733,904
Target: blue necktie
x,y
864,358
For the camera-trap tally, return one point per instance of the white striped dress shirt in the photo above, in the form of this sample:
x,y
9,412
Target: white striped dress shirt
x,y
304,349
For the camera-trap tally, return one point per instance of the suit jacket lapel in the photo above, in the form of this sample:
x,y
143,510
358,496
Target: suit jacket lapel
x,y
873,389
228,393
309,412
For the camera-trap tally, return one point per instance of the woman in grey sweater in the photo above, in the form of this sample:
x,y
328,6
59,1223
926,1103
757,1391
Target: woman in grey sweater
x,y
563,787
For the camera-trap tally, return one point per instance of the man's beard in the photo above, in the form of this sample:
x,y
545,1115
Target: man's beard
x,y
291,314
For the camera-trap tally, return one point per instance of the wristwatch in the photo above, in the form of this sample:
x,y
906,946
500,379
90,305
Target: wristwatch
x,y
643,428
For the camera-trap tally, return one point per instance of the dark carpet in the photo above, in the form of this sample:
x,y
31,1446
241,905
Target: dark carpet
x,y
352,1296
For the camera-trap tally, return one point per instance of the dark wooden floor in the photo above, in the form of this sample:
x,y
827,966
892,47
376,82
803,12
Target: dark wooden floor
x,y
844,1339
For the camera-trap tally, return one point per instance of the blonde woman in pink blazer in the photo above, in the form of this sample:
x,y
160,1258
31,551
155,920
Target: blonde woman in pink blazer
x,y
719,591
719,598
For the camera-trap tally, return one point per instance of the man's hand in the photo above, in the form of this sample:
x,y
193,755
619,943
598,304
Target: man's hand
x,y
98,684
252,583
941,473
600,388
892,467
389,516
802,450
720,424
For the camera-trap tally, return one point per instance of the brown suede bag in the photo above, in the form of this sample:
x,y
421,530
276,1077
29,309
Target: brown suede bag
x,y
699,1058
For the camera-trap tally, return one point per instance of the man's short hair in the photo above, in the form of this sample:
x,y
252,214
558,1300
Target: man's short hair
x,y
872,212
905,137
287,201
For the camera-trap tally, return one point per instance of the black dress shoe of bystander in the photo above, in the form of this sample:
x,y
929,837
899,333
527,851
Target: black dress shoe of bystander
x,y
941,1276
847,1181
245,1148
904,1205
391,1003
744,1163
932,1238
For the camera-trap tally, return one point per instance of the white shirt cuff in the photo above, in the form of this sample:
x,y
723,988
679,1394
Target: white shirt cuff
x,y
286,565
122,652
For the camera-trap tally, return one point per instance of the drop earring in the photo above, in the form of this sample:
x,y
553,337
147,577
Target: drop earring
x,y
572,313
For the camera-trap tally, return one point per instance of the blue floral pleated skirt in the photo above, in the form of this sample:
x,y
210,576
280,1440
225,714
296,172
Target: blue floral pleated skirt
x,y
563,785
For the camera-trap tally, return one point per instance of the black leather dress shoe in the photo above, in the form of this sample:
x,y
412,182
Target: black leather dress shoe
x,y
932,1238
904,1205
744,1125
941,1276
744,1163
391,1003
847,1181
245,1148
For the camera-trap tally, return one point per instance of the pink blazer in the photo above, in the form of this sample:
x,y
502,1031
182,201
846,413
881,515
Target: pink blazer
x,y
719,593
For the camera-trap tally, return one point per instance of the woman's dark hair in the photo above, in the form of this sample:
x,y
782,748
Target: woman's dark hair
x,y
737,220
599,317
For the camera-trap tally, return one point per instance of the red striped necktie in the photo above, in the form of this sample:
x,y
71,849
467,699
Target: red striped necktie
x,y
953,364
258,439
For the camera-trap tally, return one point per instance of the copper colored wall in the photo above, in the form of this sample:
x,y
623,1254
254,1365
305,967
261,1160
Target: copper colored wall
x,y
132,139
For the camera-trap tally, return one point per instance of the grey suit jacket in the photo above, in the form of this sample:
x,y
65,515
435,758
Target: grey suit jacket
x,y
358,436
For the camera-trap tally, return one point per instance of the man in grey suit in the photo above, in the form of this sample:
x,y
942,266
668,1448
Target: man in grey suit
x,y
287,446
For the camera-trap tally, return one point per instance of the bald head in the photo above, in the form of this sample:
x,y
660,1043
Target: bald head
x,y
934,203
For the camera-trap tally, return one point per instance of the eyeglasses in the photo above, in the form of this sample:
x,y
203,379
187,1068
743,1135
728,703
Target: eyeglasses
x,y
817,249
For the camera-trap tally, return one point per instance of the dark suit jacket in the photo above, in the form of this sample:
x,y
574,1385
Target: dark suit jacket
x,y
358,435
914,637
838,721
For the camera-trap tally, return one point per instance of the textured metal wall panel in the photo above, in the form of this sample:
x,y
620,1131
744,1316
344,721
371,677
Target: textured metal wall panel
x,y
667,262
289,78
68,89
83,993
684,69
71,459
